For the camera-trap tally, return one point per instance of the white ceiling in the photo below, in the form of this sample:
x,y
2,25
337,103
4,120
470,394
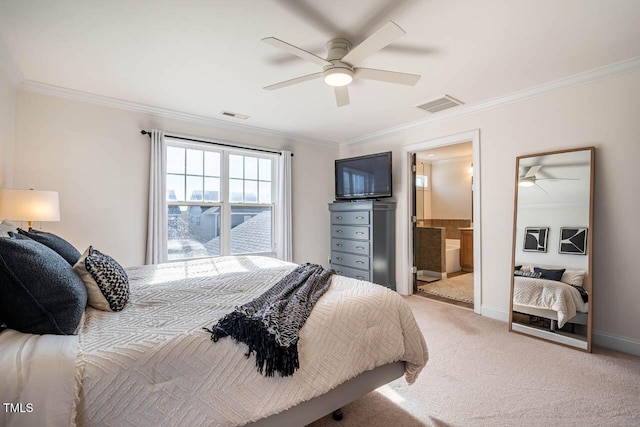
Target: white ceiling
x,y
447,152
203,57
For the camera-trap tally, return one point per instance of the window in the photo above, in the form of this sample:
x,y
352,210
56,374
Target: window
x,y
219,201
422,181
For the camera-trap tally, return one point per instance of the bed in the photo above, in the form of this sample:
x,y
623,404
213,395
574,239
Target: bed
x,y
559,300
153,364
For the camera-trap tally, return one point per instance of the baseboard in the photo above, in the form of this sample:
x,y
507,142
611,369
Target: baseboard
x,y
614,342
494,313
433,273
602,339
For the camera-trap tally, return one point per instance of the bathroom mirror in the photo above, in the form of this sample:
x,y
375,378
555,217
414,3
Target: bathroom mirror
x,y
551,280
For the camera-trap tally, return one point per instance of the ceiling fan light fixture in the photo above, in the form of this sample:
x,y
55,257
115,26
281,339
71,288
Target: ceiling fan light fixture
x,y
526,183
338,77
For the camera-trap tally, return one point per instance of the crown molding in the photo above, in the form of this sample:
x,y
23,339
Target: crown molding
x,y
9,65
46,89
593,75
600,73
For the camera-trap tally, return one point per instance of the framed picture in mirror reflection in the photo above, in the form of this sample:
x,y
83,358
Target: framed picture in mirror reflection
x,y
535,239
573,240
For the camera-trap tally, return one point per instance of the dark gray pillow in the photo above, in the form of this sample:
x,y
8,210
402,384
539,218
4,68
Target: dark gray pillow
x,y
550,274
57,243
39,291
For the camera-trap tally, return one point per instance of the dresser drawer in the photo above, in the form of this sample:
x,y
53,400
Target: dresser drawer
x,y
354,218
351,272
350,232
352,246
350,260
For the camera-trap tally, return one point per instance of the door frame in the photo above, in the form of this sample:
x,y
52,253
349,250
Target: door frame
x,y
406,209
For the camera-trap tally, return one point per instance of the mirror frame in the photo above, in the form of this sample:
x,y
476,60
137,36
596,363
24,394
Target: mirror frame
x,y
588,283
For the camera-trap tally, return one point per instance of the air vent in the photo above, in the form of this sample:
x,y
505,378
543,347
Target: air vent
x,y
440,104
234,115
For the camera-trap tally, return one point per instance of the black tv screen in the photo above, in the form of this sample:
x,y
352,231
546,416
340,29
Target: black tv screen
x,y
364,177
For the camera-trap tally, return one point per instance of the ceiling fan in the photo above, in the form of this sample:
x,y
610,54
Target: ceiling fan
x,y
340,66
529,179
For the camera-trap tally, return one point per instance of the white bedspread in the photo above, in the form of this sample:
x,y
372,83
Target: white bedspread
x,y
550,295
153,365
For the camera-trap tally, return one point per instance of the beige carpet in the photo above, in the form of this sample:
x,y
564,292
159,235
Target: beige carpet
x,y
459,288
479,374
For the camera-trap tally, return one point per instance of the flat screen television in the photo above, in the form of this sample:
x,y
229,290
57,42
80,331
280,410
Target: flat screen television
x,y
363,177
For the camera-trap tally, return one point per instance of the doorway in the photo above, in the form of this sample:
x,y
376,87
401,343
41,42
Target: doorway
x,y
443,238
473,230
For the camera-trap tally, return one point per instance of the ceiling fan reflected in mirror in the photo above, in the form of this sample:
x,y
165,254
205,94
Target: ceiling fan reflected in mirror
x,y
529,179
340,66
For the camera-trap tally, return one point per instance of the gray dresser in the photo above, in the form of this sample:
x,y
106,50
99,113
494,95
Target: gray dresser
x,y
363,241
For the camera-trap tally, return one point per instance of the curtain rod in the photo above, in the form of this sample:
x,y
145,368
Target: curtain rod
x,y
144,132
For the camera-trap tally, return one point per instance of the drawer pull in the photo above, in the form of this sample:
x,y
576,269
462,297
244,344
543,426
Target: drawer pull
x,y
358,262
338,217
339,245
338,258
359,247
360,277
359,232
359,217
338,231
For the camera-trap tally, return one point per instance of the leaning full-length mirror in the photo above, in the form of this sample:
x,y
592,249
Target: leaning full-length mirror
x,y
551,285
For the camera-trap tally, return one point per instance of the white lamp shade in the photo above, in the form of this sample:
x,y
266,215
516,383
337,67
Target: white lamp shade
x,y
29,205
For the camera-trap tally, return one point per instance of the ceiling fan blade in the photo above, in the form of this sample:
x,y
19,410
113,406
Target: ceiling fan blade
x,y
387,76
532,171
313,16
293,81
389,33
296,51
342,95
541,188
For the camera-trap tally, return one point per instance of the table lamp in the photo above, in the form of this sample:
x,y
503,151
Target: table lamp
x,y
29,205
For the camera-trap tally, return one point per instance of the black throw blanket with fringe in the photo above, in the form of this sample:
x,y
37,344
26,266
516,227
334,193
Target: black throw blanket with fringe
x,y
270,324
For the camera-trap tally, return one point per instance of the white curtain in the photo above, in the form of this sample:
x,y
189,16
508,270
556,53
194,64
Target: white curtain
x,y
157,222
284,238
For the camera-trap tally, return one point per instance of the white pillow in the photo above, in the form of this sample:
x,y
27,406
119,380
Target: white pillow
x,y
573,277
6,227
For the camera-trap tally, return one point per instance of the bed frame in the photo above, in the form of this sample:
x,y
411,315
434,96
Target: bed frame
x,y
551,334
579,319
332,401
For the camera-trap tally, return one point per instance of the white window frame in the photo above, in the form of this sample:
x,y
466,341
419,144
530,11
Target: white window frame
x,y
224,203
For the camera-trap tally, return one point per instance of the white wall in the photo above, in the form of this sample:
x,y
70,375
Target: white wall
x,y
7,120
451,189
97,160
553,217
604,114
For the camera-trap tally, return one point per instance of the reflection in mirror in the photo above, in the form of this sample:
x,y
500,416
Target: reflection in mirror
x,y
551,287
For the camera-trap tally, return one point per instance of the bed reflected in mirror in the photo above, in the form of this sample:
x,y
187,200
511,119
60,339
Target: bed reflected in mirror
x,y
551,285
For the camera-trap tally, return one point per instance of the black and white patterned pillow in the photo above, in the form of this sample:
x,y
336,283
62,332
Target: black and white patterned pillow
x,y
106,281
532,274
